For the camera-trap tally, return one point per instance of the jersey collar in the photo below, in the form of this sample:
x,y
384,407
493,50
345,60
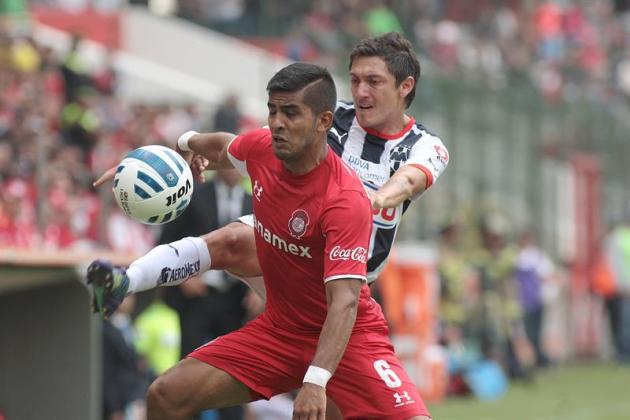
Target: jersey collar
x,y
394,136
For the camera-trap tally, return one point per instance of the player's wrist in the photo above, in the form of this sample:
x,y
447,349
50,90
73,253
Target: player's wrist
x,y
317,376
182,141
377,201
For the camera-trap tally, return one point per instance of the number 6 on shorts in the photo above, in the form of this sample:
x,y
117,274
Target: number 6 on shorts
x,y
387,374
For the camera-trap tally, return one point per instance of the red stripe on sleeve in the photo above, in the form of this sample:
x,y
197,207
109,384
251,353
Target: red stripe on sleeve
x,y
427,172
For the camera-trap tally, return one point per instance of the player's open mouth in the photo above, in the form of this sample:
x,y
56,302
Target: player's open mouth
x,y
278,139
365,107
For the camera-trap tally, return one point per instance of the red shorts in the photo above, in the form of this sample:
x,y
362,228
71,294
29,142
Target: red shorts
x,y
368,383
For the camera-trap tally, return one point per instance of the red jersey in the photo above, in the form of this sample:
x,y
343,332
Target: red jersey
x,y
309,229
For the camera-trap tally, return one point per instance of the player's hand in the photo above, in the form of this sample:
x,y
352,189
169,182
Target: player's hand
x,y
310,403
196,162
375,200
198,166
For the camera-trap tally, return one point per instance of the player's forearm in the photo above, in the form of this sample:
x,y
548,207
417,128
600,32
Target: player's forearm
x,y
333,339
212,146
403,185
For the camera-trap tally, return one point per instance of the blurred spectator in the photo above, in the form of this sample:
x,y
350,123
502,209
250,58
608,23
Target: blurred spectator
x,y
459,296
159,335
499,318
228,116
17,216
79,122
612,282
105,78
459,285
124,379
533,269
74,71
13,7
381,18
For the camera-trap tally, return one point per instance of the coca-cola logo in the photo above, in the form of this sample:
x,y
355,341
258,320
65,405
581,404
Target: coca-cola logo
x,y
356,254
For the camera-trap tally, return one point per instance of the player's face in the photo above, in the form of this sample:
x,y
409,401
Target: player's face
x,y
379,103
292,124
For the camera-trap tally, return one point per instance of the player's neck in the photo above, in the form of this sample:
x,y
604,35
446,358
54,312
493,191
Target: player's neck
x,y
309,162
393,125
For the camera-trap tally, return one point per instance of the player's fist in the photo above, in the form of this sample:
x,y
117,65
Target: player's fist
x,y
310,403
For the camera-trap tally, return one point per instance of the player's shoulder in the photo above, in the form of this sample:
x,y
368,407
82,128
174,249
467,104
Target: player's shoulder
x,y
424,134
345,196
251,141
342,177
344,114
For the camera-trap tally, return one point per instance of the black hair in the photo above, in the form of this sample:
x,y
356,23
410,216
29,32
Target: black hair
x,y
398,54
320,94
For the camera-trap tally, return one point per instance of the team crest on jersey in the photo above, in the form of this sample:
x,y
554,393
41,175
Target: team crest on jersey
x,y
298,223
399,155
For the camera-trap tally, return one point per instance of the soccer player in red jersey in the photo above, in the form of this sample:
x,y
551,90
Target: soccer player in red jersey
x,y
321,331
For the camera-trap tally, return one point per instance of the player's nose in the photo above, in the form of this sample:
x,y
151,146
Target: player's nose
x,y
362,90
276,123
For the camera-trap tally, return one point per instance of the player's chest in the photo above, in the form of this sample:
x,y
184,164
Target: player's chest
x,y
373,160
287,215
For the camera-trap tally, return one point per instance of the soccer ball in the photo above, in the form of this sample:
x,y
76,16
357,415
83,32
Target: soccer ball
x,y
153,184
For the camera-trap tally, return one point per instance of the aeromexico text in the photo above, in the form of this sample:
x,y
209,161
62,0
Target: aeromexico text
x,y
169,275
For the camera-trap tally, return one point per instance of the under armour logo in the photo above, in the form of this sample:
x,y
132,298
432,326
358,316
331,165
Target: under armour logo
x,y
257,190
399,397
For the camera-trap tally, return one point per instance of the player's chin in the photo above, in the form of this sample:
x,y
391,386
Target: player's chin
x,y
365,116
281,152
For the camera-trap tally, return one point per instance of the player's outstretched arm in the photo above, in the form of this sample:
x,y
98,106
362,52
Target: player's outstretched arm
x,y
343,298
407,182
202,151
210,146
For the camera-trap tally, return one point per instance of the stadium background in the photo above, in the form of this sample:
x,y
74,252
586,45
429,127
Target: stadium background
x,y
530,97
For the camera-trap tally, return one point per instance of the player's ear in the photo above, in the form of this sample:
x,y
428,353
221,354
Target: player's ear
x,y
324,120
406,86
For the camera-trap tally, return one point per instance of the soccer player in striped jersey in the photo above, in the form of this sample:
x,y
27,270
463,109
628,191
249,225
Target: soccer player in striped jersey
x,y
396,158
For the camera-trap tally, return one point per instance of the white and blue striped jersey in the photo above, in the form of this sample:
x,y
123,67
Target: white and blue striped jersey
x,y
376,157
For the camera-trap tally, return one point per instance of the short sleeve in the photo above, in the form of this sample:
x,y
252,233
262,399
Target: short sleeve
x,y
430,156
347,225
243,146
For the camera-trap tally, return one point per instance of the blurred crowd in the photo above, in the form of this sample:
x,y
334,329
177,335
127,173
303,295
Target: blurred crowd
x,y
61,126
565,48
505,304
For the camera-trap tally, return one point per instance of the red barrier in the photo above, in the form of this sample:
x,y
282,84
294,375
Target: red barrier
x,y
96,26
